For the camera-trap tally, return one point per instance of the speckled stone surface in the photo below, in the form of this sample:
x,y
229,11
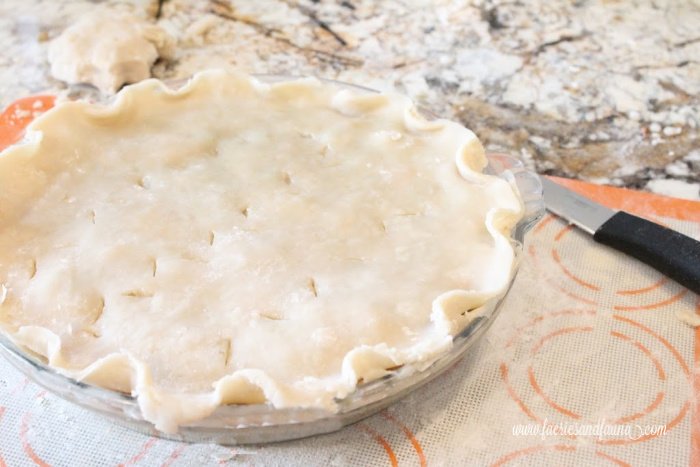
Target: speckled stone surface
x,y
601,90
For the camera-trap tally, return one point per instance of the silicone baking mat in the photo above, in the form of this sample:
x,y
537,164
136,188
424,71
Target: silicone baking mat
x,y
587,364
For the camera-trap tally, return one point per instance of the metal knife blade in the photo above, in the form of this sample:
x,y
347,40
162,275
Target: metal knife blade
x,y
580,211
668,251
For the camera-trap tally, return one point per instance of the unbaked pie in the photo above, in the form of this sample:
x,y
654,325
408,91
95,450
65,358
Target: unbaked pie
x,y
236,242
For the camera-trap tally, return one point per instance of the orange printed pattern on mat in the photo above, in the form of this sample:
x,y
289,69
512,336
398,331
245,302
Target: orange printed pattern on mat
x,y
139,455
28,449
174,455
513,457
524,397
381,441
641,203
19,114
550,249
409,435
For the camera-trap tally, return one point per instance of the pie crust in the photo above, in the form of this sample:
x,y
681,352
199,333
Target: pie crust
x,y
241,242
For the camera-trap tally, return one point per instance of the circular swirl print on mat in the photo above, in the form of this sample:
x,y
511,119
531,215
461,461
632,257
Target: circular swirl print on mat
x,y
597,275
557,454
567,370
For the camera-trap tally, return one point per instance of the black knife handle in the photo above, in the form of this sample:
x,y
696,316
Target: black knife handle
x,y
666,250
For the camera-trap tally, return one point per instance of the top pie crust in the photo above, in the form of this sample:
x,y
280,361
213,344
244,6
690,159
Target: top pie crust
x,y
241,242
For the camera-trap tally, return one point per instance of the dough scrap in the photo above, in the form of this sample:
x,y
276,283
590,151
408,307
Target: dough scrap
x,y
108,50
688,317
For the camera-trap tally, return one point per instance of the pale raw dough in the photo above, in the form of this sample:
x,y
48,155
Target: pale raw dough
x,y
240,242
688,317
108,50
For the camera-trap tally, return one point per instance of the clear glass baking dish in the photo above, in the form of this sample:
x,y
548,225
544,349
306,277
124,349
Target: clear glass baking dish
x,y
260,423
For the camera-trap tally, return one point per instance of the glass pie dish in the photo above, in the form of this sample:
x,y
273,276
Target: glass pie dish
x,y
256,423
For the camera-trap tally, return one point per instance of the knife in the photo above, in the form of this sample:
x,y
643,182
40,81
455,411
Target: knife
x,y
669,252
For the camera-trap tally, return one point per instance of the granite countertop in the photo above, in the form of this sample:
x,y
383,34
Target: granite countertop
x,y
601,90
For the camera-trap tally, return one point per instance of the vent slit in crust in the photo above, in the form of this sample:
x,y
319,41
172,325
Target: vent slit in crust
x,y
137,293
99,311
32,268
